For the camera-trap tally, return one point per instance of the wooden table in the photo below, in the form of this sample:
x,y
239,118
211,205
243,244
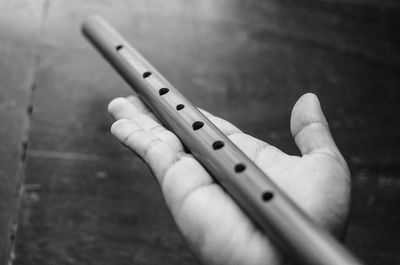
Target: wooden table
x,y
84,199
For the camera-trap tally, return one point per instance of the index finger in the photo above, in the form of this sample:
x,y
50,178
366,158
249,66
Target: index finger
x,y
120,110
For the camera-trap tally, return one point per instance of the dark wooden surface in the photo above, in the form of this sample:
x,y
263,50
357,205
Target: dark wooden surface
x,y
19,28
87,200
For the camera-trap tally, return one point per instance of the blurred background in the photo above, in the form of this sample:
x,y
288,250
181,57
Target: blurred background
x,y
70,194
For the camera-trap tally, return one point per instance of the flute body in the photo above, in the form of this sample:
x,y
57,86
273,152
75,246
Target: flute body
x,y
268,206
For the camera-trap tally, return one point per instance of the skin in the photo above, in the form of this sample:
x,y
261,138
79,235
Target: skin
x,y
213,225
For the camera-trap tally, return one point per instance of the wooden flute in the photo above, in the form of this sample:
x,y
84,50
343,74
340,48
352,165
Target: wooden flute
x,y
295,234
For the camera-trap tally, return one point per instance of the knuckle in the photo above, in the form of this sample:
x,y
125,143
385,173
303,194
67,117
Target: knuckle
x,y
130,136
151,147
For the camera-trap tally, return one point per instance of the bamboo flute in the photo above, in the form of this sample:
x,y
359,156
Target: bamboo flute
x,y
295,234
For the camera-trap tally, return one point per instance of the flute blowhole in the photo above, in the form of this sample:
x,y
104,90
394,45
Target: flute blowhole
x,y
240,168
197,125
146,74
218,145
180,107
163,91
267,196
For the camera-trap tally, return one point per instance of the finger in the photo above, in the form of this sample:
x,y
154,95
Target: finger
x,y
226,127
178,174
158,154
138,103
141,107
310,128
127,108
122,108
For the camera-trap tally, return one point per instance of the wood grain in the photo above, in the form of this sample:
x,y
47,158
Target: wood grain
x,y
19,29
89,201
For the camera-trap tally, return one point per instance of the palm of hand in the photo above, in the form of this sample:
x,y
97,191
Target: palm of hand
x,y
212,223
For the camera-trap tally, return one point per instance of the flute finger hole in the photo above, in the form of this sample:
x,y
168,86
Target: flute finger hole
x,y
180,107
267,196
197,125
119,47
240,168
163,91
218,145
146,74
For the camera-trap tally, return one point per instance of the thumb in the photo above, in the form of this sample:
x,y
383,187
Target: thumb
x,y
309,127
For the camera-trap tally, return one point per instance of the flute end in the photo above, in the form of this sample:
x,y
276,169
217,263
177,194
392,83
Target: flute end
x,y
90,22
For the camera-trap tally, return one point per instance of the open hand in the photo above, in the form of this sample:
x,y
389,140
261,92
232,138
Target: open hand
x,y
213,225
